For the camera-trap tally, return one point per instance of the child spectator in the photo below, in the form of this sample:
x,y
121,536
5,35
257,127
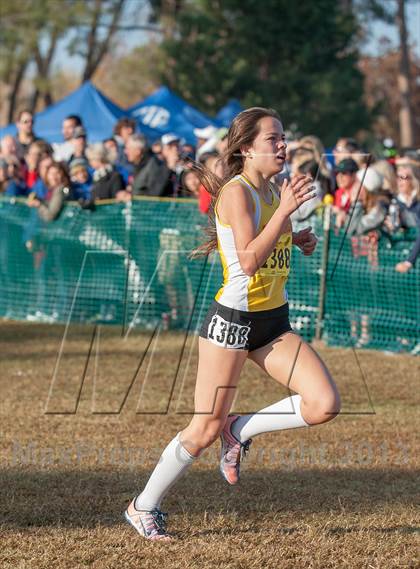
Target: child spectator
x,y
81,180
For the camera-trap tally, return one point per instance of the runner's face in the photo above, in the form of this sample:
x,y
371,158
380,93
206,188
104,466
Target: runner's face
x,y
268,151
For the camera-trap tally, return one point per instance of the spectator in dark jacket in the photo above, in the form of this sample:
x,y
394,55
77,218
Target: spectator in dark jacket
x,y
408,199
79,145
107,182
408,192
25,135
151,176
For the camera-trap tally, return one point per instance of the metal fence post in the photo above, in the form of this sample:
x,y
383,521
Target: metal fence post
x,y
324,268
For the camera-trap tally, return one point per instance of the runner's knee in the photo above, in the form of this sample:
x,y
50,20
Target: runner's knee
x,y
205,433
322,409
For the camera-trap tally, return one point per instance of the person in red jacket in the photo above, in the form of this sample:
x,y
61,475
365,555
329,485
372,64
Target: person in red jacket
x,y
212,162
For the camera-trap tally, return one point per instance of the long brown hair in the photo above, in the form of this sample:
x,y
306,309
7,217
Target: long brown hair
x,y
65,180
242,132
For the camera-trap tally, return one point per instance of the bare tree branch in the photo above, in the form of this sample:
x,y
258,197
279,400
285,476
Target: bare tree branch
x,y
98,49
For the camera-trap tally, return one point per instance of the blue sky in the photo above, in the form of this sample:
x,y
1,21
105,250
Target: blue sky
x,y
379,29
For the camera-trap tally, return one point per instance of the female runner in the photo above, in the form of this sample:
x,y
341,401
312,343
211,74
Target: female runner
x,y
248,318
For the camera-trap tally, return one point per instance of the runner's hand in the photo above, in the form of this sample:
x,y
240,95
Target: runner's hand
x,y
296,192
305,240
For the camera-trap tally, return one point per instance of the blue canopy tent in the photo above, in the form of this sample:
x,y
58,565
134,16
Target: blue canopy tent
x,y
98,114
227,113
164,112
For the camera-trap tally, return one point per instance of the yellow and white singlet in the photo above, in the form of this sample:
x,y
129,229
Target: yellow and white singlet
x,y
264,290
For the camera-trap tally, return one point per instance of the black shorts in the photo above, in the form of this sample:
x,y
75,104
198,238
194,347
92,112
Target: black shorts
x,y
241,330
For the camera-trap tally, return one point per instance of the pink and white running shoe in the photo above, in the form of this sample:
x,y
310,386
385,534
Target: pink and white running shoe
x,y
232,452
150,524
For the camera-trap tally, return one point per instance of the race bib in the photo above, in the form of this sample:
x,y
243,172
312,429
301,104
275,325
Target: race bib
x,y
278,263
227,334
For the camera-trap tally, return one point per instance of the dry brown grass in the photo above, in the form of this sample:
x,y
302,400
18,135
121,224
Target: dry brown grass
x,y
340,495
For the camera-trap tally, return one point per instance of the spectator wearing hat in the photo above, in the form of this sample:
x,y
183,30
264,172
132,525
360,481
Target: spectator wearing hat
x,y
170,150
25,135
216,143
369,204
107,183
64,150
346,180
204,134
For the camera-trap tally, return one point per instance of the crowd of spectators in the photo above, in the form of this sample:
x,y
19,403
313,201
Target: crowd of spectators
x,y
367,196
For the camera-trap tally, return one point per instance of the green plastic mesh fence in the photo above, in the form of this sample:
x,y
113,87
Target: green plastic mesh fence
x,y
129,264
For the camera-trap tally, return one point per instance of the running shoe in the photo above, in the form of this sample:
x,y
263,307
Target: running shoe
x,y
150,524
232,452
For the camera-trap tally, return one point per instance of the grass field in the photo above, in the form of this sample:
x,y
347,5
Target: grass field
x,y
339,495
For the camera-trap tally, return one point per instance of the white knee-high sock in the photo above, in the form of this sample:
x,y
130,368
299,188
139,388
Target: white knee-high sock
x,y
173,463
284,414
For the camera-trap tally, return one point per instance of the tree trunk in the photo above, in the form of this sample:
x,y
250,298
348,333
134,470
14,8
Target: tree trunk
x,y
13,97
405,114
98,49
34,100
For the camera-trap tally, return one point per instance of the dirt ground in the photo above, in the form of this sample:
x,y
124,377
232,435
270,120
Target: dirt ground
x,y
80,436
